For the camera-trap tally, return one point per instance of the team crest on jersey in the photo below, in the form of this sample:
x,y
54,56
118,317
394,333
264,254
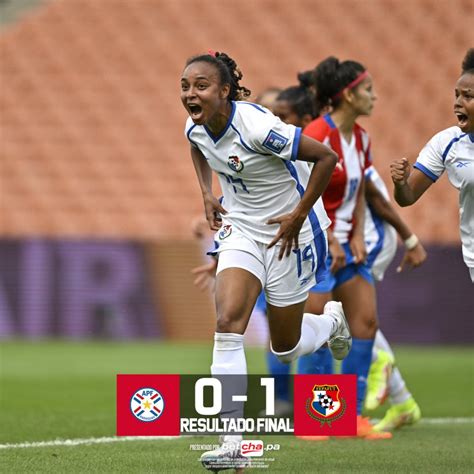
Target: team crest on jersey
x,y
225,231
147,404
235,164
325,406
275,142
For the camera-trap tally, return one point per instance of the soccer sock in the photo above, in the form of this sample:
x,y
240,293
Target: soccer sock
x,y
398,389
317,328
320,362
281,372
358,362
228,358
382,343
315,331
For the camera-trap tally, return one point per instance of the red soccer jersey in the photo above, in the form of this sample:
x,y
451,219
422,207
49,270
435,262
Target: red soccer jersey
x,y
340,197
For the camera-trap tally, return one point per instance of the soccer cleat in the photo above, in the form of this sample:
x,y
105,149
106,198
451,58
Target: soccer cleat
x,y
406,413
226,456
377,381
340,341
366,431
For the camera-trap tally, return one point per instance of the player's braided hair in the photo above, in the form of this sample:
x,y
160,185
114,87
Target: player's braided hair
x,y
468,62
332,77
229,73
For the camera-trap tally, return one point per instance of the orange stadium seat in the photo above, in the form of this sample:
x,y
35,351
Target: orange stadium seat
x,y
92,125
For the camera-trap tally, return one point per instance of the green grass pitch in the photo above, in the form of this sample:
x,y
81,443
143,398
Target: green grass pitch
x,y
66,390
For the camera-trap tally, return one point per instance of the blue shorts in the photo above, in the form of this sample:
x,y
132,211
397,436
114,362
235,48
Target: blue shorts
x,y
344,274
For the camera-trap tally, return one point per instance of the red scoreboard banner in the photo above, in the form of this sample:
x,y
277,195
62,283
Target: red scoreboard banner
x,y
170,405
148,405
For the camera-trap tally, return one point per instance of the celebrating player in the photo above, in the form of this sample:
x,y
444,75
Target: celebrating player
x,y
451,150
270,225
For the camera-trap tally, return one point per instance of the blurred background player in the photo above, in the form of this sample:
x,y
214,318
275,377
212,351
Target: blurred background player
x,y
347,88
273,206
267,97
382,223
451,150
294,105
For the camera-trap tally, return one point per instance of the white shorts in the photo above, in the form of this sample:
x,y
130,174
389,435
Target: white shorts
x,y
286,281
380,253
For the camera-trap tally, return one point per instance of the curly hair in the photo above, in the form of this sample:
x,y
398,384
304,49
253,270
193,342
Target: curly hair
x,y
229,73
332,77
468,62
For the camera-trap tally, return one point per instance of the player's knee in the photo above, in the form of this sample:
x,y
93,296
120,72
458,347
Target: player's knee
x,y
286,353
372,325
228,322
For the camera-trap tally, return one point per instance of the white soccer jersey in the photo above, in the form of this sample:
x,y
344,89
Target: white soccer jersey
x,y
453,150
253,158
380,237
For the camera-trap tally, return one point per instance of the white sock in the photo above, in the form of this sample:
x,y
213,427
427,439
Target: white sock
x,y
381,343
315,331
398,389
228,358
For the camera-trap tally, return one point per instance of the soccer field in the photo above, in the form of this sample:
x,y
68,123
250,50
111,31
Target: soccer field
x,y
66,391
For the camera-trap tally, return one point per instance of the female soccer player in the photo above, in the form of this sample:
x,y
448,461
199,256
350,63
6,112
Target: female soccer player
x,y
451,150
382,222
270,225
347,88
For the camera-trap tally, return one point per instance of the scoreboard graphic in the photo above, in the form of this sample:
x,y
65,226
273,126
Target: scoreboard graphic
x,y
173,405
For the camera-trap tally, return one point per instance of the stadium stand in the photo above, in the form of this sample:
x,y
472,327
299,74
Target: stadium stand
x,y
92,123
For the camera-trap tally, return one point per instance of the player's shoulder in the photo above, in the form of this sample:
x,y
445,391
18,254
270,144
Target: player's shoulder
x,y
449,134
189,126
250,113
359,128
319,128
442,142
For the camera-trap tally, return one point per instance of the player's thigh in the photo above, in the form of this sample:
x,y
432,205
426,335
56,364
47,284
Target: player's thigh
x,y
285,325
316,301
360,306
238,284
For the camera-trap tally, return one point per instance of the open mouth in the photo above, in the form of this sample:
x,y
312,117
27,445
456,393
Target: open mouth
x,y
462,119
195,110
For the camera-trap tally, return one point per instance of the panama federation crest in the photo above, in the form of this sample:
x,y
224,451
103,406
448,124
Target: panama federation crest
x,y
235,164
325,406
225,231
147,404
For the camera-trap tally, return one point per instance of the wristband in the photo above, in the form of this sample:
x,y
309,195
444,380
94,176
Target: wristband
x,y
411,242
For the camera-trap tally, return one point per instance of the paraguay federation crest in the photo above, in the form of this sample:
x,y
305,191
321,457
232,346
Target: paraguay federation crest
x,y
147,404
326,405
235,164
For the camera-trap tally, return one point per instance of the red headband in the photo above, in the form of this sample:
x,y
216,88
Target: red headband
x,y
352,84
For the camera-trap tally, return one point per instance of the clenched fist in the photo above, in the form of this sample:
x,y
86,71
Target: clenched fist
x,y
400,171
